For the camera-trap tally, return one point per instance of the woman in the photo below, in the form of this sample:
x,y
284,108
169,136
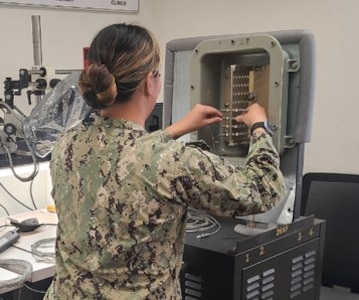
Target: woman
x,y
122,193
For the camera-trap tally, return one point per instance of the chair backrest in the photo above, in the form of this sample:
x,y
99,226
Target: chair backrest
x,y
335,198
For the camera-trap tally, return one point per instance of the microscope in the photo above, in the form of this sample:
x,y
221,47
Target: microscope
x,y
56,107
36,83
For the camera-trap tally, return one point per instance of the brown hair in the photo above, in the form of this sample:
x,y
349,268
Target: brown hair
x,y
120,57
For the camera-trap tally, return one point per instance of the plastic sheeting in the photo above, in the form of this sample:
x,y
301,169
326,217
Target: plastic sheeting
x,y
58,111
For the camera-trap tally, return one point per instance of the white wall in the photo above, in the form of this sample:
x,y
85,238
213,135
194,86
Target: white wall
x,y
64,32
335,143
335,24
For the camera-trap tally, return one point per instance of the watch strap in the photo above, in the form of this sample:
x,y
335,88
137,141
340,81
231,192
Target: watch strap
x,y
264,125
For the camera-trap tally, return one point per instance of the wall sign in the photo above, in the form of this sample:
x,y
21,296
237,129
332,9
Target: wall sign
x,y
125,5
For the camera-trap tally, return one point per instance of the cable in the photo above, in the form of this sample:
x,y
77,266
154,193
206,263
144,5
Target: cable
x,y
21,267
17,200
34,160
5,225
11,165
31,194
200,221
8,154
42,256
11,110
4,208
34,290
23,249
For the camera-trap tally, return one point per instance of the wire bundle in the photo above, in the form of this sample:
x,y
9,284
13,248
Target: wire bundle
x,y
200,221
44,256
18,266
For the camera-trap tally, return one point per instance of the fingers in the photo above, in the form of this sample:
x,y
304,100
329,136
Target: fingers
x,y
255,113
203,115
240,117
213,120
211,112
207,114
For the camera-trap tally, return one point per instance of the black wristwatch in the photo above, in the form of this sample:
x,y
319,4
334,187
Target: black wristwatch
x,y
268,128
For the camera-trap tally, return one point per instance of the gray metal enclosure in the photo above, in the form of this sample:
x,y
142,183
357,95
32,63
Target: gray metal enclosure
x,y
276,69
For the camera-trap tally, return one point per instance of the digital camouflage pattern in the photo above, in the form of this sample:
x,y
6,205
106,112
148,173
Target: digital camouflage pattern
x,y
121,195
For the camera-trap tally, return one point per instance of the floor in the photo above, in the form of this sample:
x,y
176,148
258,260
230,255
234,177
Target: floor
x,y
337,293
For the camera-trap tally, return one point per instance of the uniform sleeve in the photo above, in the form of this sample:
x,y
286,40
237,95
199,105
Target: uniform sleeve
x,y
206,181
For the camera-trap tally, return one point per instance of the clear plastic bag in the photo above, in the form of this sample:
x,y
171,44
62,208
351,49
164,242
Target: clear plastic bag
x,y
58,111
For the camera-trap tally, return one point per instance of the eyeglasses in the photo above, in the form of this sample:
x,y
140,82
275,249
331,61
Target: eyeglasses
x,y
156,73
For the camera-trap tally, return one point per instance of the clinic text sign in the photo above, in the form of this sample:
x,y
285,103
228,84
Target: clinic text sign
x,y
125,5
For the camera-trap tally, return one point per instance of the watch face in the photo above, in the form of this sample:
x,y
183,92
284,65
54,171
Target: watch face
x,y
268,127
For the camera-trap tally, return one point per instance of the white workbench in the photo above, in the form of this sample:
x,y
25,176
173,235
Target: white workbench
x,y
22,248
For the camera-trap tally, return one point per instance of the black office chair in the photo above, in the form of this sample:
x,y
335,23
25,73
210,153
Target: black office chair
x,y
335,198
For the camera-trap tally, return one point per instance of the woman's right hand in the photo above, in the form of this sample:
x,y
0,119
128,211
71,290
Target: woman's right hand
x,y
254,113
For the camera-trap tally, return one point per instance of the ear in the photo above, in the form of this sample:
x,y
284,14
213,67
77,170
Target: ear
x,y
149,84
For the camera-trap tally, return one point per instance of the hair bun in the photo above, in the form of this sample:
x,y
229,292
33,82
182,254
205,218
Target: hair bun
x,y
98,86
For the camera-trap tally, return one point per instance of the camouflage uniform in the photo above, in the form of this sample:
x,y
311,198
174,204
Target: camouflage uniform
x,y
121,195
